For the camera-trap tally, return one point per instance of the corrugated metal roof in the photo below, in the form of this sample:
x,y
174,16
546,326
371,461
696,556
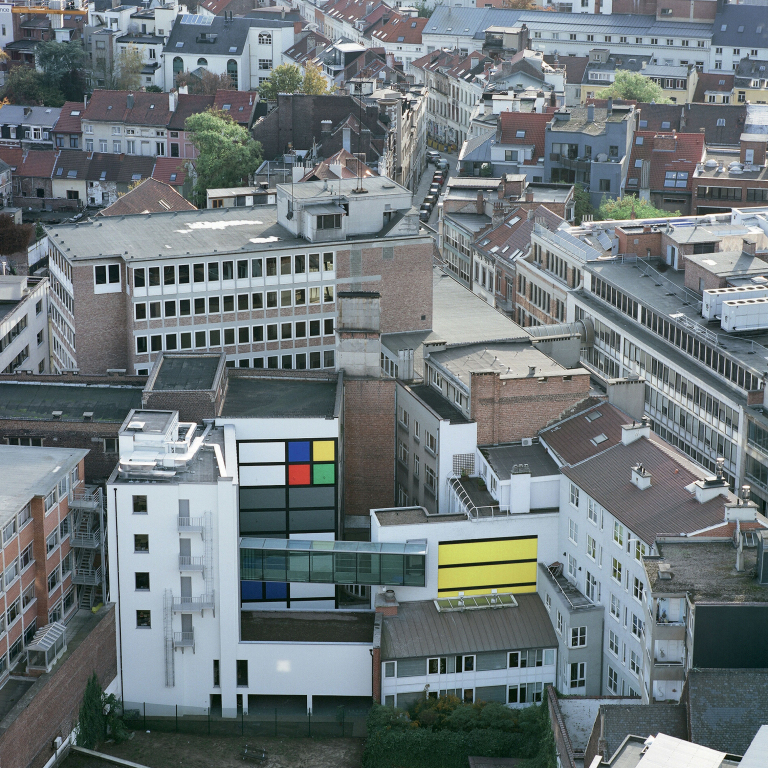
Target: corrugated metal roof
x,y
419,629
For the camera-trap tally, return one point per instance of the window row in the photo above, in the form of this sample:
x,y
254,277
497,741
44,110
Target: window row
x,y
245,334
240,269
13,526
244,302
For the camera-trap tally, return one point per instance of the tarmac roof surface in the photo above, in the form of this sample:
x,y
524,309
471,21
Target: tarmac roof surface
x,y
279,398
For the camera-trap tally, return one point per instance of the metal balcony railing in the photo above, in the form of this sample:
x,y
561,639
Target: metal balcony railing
x,y
85,540
187,563
184,639
191,524
87,576
85,500
193,604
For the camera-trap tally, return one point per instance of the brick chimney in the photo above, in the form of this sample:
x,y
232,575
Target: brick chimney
x,y
664,142
386,603
757,145
748,247
479,204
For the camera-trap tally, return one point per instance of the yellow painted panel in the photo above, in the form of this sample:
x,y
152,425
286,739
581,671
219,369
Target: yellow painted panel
x,y
322,450
516,590
487,551
486,577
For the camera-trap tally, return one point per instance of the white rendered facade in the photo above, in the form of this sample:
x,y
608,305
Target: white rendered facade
x,y
24,335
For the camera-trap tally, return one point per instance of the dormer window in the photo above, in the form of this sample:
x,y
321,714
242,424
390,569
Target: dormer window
x,y
329,221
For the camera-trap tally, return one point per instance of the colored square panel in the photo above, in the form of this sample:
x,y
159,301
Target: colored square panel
x,y
263,475
252,590
298,474
323,450
298,451
276,590
323,474
262,453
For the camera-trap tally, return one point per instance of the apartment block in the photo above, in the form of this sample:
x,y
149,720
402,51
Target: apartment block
x,y
258,283
24,335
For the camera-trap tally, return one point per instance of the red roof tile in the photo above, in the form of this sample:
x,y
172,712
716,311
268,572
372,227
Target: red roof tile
x,y
189,104
238,104
112,106
667,153
37,163
170,170
391,28
12,156
532,123
712,81
69,119
151,196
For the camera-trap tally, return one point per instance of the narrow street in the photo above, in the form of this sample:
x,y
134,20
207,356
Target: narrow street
x,y
426,182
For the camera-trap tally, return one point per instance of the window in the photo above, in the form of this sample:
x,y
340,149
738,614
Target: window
x,y
592,512
329,221
615,607
438,666
634,662
613,643
618,533
13,612
573,531
144,619
465,663
142,581
141,542
430,479
613,680
560,623
106,274
616,570
572,567
640,550
677,179
9,531
591,547
637,589
28,596
242,673
139,505
574,497
548,603
605,185
402,453
637,626
52,542
27,558
53,579
578,637
592,588
11,572
578,674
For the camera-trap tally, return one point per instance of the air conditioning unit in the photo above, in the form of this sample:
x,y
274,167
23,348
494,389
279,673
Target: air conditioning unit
x,y
527,441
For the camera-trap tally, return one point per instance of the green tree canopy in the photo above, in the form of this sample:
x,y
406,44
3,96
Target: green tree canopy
x,y
59,59
13,237
286,78
633,85
620,209
28,87
228,154
582,203
314,82
207,82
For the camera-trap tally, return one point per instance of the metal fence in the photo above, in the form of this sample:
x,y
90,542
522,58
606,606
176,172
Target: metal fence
x,y
264,722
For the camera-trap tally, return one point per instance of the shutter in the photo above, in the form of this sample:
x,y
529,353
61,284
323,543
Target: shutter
x,y
411,667
496,660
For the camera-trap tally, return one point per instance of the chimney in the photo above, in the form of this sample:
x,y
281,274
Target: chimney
x,y
748,247
347,138
325,128
609,107
129,101
591,113
479,204
531,370
635,430
742,509
474,61
358,333
386,602
498,215
173,100
531,214
528,196
641,477
712,487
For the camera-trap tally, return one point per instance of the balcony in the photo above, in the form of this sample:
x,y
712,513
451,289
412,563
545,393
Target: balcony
x,y
187,563
577,164
87,576
84,500
184,640
191,524
193,604
85,540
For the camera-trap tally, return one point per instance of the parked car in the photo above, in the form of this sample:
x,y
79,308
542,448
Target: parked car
x,y
432,156
434,189
439,178
427,207
424,214
442,163
431,199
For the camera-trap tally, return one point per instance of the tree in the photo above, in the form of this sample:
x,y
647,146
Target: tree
x,y
92,723
633,85
123,73
153,89
227,152
28,87
14,237
521,5
206,83
623,209
286,78
424,8
314,83
582,203
62,64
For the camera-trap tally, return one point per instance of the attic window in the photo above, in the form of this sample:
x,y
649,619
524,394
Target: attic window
x,y
519,134
401,39
239,109
740,29
413,25
676,179
665,125
631,182
180,44
75,112
638,163
233,49
639,140
227,107
109,107
601,438
136,177
72,174
173,177
103,176
594,415
486,241
643,123
724,27
59,171
721,122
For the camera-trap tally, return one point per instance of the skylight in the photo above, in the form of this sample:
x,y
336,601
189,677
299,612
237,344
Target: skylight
x,y
639,140
594,415
180,44
173,177
72,174
233,49
665,125
638,163
519,134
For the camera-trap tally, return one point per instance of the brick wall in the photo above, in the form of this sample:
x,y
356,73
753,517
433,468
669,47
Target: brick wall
x,y
639,243
559,730
369,444
510,409
50,707
694,272
100,322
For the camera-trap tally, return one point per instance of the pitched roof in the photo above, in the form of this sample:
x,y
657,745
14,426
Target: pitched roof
x,y
621,720
667,153
69,119
419,629
151,196
726,707
112,106
189,104
307,47
13,156
170,170
349,168
512,238
712,82
398,29
239,105
571,439
133,168
748,69
707,116
740,26
15,114
71,164
575,66
666,507
37,163
531,124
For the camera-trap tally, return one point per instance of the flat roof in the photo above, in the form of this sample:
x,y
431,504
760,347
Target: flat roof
x,y
444,409
419,629
374,185
188,372
35,401
273,398
503,459
706,570
458,316
730,263
512,360
307,626
30,471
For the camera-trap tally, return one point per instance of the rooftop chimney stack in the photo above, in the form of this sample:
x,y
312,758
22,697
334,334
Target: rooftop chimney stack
x,y
641,477
634,431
